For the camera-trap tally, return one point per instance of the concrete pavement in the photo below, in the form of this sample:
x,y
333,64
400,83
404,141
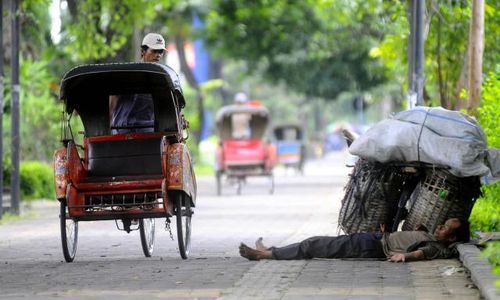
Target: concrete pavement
x,y
109,264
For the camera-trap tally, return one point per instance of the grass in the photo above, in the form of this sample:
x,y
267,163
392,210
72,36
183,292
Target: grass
x,y
10,217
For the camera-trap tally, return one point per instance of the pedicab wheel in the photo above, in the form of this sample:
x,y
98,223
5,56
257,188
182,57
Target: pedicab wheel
x,y
271,187
147,232
183,220
239,185
218,177
69,232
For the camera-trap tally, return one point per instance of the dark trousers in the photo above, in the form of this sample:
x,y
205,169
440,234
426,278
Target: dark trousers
x,y
356,245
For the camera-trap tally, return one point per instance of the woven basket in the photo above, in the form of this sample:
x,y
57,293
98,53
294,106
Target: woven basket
x,y
440,196
371,197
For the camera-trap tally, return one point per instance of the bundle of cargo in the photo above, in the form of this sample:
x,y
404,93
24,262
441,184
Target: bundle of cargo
x,y
372,195
447,149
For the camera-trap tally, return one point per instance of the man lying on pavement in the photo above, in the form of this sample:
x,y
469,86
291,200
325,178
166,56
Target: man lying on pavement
x,y
398,246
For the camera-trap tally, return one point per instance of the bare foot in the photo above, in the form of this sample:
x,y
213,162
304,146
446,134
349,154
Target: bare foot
x,y
259,244
252,254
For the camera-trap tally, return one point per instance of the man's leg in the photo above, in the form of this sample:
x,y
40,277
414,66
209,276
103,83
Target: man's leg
x,y
358,245
255,254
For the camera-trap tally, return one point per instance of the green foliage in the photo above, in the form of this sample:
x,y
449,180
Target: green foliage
x,y
40,112
36,180
100,30
445,46
287,41
35,21
485,215
486,212
489,110
492,253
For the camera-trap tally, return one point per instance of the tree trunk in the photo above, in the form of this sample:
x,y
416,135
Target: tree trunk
x,y
186,70
476,40
443,99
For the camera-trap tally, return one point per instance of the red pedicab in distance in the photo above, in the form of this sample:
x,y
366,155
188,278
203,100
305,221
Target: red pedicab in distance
x,y
133,177
242,150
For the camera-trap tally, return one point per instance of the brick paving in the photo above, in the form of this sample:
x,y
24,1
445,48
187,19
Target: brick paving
x,y
109,263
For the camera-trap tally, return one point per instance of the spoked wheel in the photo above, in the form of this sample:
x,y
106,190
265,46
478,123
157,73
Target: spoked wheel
x,y
147,231
69,233
239,186
218,177
183,220
271,182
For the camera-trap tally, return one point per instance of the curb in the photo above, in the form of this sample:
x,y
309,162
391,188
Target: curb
x,y
480,270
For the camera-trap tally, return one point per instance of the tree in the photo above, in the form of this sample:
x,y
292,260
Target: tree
x,y
475,52
447,58
316,48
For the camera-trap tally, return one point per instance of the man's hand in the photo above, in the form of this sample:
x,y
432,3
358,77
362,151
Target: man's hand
x,y
400,257
404,257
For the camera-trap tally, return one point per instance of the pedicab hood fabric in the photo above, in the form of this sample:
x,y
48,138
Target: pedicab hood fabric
x,y
86,90
82,82
430,135
259,122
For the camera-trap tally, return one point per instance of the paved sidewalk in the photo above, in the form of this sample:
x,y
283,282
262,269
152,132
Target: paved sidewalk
x,y
353,279
480,270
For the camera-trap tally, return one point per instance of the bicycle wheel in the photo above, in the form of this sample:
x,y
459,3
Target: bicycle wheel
x,y
271,184
69,232
183,220
218,177
147,232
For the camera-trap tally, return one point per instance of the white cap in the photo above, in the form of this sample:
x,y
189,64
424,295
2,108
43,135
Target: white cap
x,y
154,41
240,97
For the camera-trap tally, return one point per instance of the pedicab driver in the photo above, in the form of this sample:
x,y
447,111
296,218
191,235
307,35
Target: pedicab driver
x,y
400,246
137,109
240,122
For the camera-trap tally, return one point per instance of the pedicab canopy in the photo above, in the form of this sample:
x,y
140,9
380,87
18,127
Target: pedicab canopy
x,y
288,132
242,122
86,90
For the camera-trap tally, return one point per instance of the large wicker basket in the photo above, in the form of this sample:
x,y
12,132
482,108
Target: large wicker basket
x,y
439,196
371,196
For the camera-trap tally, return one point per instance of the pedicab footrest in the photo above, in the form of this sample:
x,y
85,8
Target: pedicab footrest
x,y
120,202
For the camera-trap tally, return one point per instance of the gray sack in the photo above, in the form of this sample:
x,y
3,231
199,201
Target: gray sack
x,y
431,135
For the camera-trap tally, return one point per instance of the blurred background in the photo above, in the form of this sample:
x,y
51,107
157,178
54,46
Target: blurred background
x,y
328,64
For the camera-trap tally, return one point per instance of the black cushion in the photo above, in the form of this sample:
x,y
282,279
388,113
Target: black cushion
x,y
124,157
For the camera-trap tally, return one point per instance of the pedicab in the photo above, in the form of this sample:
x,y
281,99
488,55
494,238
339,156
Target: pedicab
x,y
132,178
242,150
290,146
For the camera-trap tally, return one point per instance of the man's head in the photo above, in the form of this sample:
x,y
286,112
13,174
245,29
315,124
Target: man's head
x,y
152,47
453,230
240,98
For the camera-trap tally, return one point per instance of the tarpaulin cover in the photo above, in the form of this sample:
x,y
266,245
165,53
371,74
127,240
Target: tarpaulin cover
x,y
431,135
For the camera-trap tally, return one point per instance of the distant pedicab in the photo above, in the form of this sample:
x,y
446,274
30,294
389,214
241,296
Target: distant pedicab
x,y
290,146
242,150
134,177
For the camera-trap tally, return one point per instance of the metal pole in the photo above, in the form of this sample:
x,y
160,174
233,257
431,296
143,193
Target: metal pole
x,y
419,50
14,183
1,109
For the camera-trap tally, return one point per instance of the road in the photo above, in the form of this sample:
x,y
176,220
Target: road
x,y
110,264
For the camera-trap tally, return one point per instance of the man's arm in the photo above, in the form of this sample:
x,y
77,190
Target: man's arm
x,y
410,256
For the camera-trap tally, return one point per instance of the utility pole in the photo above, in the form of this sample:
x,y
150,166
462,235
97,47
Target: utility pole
x,y
15,181
416,11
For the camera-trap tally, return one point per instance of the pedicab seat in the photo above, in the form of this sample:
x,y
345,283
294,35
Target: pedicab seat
x,y
124,157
